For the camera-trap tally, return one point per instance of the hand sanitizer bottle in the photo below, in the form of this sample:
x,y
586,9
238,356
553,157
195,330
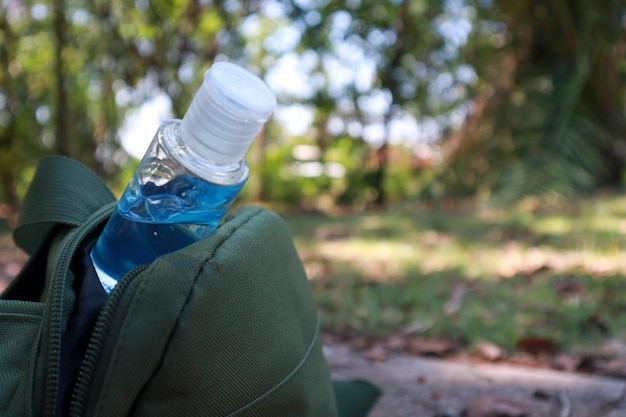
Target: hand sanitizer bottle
x,y
190,175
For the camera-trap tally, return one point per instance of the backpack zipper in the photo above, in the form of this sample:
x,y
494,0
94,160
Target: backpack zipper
x,y
96,341
61,267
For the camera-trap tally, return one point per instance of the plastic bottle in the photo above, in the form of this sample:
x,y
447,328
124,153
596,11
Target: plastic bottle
x,y
190,175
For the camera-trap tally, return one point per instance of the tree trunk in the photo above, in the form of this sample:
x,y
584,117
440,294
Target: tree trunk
x,y
382,158
62,111
8,135
486,104
605,94
258,192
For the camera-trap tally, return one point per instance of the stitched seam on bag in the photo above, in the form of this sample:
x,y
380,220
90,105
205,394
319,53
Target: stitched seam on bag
x,y
257,211
20,319
287,378
172,334
124,331
185,304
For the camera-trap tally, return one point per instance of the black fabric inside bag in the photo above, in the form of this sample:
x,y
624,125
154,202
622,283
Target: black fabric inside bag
x,y
90,297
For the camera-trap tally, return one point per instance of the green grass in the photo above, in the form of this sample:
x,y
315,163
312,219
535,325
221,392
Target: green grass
x,y
517,272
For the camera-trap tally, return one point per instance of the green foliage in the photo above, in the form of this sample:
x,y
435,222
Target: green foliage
x,y
524,271
279,184
70,70
398,40
531,95
553,124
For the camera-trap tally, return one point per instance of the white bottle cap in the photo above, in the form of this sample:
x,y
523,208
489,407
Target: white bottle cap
x,y
227,113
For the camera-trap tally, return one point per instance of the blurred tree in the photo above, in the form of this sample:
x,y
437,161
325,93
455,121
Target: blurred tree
x,y
390,47
528,96
549,117
70,69
26,55
260,55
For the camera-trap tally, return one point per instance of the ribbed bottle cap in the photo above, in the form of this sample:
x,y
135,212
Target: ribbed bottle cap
x,y
227,113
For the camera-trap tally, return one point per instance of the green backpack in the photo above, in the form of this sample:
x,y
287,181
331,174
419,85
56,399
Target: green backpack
x,y
224,327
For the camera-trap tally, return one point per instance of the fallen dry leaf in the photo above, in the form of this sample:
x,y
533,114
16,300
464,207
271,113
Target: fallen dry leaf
x,y
361,342
434,347
524,359
454,302
491,406
611,367
331,232
565,362
376,353
490,351
537,345
417,328
395,343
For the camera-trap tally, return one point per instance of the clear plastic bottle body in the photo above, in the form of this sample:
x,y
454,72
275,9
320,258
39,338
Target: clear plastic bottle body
x,y
175,198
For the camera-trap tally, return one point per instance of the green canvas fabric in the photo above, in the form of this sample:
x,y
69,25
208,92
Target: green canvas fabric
x,y
20,323
62,192
355,398
224,327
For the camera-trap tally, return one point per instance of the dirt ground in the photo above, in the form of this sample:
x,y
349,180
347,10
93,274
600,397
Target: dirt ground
x,y
426,387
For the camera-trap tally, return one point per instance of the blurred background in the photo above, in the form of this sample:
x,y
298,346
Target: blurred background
x,y
440,162
379,101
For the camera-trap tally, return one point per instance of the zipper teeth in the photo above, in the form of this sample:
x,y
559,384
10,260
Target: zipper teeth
x,y
89,360
56,317
88,366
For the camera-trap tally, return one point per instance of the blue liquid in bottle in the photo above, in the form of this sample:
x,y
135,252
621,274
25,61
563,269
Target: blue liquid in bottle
x,y
152,220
